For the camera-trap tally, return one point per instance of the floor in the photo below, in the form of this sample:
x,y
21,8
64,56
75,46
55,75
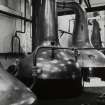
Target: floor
x,y
89,96
86,98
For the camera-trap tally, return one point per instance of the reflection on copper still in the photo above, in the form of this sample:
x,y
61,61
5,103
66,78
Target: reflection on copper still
x,y
57,74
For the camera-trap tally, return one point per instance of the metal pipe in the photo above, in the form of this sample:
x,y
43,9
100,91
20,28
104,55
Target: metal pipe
x,y
16,16
24,20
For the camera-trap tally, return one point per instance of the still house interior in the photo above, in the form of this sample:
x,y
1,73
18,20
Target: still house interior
x,y
52,52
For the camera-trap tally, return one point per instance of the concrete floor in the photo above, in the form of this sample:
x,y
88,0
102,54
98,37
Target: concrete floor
x,y
88,97
85,98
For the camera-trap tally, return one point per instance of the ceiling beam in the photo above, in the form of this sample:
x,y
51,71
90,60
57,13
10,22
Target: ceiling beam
x,y
92,9
88,1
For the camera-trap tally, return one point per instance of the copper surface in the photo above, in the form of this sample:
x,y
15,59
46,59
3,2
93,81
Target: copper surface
x,y
13,92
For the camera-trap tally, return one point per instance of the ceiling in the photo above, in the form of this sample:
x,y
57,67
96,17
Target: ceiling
x,y
90,4
95,5
97,2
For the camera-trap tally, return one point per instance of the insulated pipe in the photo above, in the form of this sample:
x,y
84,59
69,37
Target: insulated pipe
x,y
16,16
15,36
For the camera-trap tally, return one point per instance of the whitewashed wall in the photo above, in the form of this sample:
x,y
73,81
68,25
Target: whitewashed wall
x,y
8,27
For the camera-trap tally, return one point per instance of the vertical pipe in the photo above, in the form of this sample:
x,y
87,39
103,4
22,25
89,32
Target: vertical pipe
x,y
35,16
49,20
44,22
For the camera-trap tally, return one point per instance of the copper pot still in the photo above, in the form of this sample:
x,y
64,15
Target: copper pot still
x,y
91,60
88,56
57,72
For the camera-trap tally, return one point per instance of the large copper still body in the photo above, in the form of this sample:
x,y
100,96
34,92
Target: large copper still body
x,y
57,73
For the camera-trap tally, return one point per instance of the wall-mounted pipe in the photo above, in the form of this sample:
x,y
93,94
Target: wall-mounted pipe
x,y
24,20
16,16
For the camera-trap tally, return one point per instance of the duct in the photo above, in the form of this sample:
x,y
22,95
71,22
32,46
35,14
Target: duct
x,y
12,43
62,32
